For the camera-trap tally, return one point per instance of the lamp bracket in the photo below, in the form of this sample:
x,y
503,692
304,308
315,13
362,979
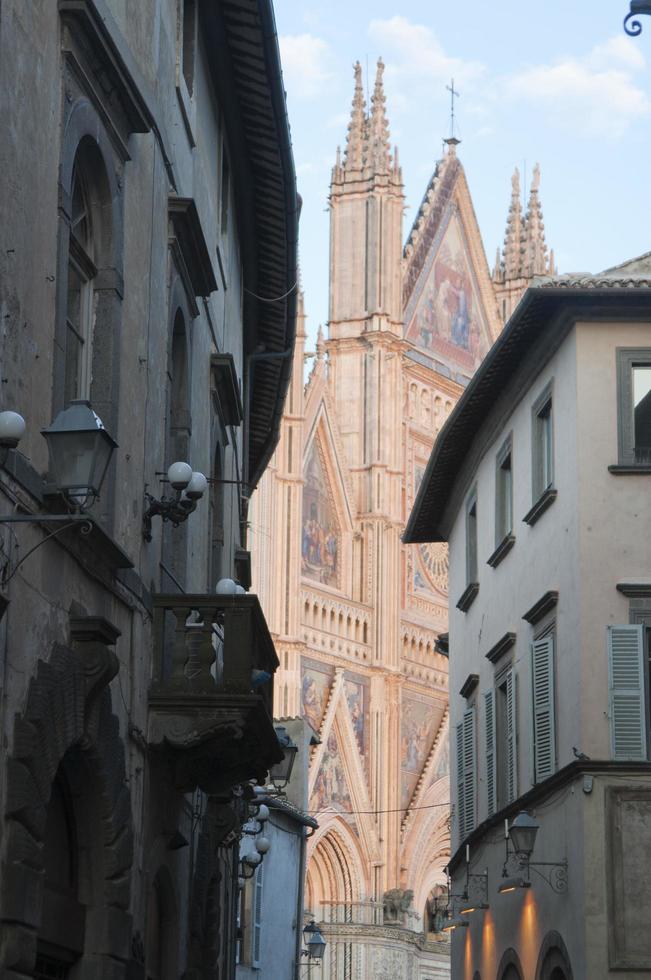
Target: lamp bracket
x,y
555,874
175,509
65,520
632,26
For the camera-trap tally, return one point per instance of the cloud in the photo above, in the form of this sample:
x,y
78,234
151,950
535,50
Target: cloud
x,y
414,50
306,64
595,96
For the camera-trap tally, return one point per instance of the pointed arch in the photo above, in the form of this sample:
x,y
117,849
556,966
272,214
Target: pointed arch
x,y
336,870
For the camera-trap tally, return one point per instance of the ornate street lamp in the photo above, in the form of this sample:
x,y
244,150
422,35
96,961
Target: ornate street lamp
x,y
281,772
522,834
315,944
80,451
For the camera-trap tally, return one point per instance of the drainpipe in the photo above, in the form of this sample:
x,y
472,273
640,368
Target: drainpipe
x,y
300,892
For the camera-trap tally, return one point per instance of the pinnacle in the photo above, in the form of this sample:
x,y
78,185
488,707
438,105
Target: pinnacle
x,y
353,158
378,150
514,236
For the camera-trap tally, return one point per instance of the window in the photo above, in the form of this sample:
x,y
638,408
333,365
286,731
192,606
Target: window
x,y
629,667
543,445
634,406
466,773
471,539
472,585
504,494
544,722
187,17
225,189
500,712
79,299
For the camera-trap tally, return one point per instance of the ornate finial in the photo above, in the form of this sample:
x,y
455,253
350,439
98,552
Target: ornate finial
x,y
378,132
353,159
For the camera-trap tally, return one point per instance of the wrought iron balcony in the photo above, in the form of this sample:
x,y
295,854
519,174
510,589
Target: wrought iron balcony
x,y
211,698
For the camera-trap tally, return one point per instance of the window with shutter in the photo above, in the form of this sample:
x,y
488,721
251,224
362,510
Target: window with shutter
x,y
511,737
460,792
469,770
626,691
544,735
491,767
257,918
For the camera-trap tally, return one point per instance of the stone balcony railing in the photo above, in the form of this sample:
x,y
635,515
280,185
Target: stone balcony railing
x,y
211,697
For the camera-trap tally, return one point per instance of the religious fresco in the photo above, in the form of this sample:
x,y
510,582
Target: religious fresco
x,y
320,537
330,787
430,569
415,739
316,679
357,696
447,320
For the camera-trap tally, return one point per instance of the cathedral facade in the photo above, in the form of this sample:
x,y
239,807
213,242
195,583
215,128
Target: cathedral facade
x,y
356,615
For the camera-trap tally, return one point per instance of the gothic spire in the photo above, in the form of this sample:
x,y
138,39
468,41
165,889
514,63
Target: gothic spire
x,y
379,153
536,262
514,236
353,159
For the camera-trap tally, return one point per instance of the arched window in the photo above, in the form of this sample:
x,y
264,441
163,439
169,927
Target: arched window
x,y
81,273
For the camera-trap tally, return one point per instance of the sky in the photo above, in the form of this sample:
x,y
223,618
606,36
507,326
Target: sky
x,y
556,83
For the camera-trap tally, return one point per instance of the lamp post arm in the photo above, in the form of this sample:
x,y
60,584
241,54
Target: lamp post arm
x,y
84,524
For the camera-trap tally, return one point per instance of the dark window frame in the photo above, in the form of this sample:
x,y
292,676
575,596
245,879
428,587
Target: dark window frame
x,y
627,359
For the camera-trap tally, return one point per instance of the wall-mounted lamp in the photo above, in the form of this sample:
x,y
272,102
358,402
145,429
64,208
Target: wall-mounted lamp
x,y
80,450
315,944
253,847
456,923
512,885
281,772
522,834
189,487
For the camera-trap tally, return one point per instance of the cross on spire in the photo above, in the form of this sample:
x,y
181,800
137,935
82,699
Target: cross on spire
x,y
453,95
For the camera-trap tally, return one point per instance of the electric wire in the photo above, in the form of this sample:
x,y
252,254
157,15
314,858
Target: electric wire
x,y
400,809
272,299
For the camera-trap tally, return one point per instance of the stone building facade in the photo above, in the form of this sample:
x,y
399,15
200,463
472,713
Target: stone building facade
x,y
147,199
355,614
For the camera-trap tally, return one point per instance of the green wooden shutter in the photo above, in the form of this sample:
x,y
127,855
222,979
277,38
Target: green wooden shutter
x,y
544,735
460,793
511,737
469,770
491,768
257,917
626,691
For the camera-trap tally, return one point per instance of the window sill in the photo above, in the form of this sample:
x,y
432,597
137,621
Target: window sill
x,y
502,550
468,597
622,469
545,500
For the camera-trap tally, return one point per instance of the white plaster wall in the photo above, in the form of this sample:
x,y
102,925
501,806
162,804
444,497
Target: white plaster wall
x,y
544,557
614,518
